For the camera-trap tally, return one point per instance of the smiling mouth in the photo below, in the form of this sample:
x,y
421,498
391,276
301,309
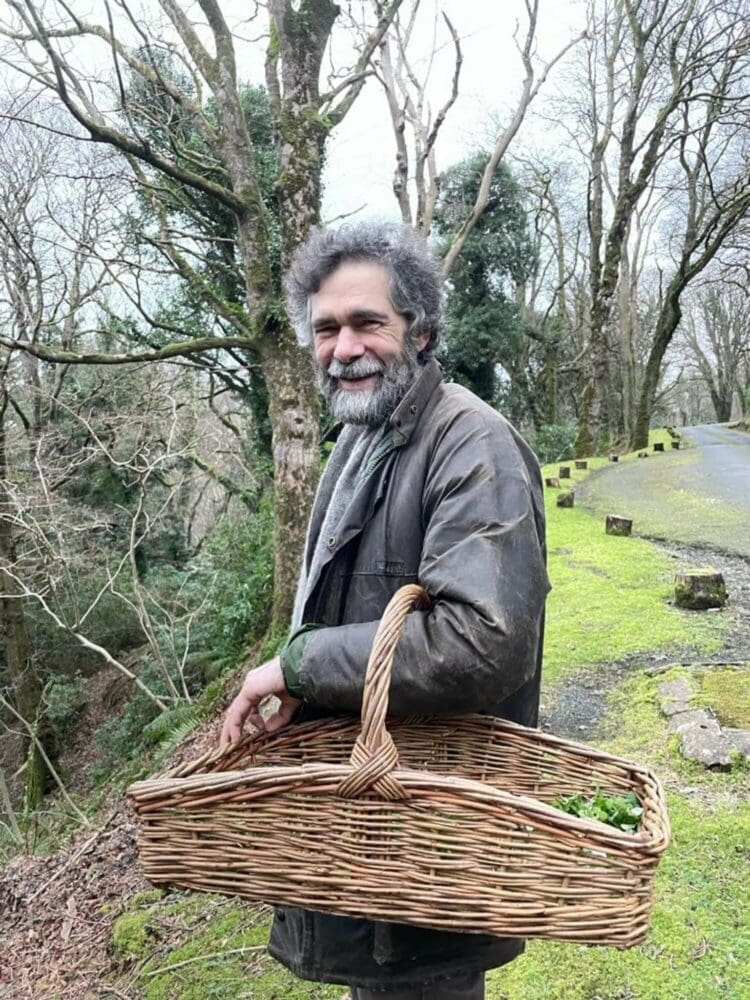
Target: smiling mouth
x,y
359,382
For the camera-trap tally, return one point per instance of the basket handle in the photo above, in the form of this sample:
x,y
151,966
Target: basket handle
x,y
375,755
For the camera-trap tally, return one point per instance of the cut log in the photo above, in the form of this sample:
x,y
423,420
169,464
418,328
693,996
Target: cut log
x,y
553,482
582,463
614,457
616,525
564,472
658,446
699,589
566,499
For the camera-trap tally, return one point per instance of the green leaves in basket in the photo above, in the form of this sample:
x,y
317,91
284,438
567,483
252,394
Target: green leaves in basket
x,y
622,811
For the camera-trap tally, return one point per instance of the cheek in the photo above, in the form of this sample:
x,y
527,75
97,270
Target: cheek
x,y
323,353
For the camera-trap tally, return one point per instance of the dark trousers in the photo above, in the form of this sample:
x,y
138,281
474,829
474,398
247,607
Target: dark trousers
x,y
469,986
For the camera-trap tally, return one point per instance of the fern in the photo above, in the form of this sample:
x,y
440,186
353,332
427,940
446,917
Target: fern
x,y
171,727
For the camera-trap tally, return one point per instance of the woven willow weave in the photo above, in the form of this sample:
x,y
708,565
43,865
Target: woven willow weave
x,y
441,821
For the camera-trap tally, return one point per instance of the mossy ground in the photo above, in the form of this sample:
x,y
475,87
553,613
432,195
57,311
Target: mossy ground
x,y
727,691
610,601
611,596
195,947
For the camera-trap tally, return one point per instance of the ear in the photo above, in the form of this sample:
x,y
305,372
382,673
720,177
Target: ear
x,y
423,340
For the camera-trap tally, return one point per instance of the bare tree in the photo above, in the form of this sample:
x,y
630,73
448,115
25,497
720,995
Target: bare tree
x,y
716,331
646,64
715,193
221,165
416,125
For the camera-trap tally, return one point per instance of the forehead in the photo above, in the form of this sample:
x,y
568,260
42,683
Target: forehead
x,y
353,283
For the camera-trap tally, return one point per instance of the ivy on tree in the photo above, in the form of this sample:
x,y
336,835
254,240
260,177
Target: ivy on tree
x,y
483,328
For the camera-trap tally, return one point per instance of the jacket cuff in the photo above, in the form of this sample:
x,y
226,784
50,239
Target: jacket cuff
x,y
291,657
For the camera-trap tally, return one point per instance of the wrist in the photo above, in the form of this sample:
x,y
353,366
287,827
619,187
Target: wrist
x,y
291,658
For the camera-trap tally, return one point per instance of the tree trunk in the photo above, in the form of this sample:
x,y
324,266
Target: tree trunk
x,y
668,322
24,680
293,406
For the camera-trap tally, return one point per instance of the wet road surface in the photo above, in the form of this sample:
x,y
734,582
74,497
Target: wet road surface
x,y
699,495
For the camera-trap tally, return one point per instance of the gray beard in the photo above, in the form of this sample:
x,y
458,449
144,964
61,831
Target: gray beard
x,y
368,408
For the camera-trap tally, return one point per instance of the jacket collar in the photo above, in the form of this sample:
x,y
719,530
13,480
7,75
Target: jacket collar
x,y
407,414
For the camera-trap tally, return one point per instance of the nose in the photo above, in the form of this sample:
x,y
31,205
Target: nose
x,y
349,345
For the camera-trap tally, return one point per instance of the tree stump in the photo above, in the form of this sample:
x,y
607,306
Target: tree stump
x,y
581,463
642,454
566,499
615,525
553,482
614,457
676,445
564,472
658,446
699,589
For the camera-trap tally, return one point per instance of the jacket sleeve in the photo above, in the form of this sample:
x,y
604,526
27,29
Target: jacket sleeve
x,y
482,565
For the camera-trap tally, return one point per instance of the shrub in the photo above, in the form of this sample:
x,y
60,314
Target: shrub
x,y
554,442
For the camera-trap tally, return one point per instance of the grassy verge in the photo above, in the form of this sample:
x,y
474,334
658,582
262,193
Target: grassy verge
x,y
611,596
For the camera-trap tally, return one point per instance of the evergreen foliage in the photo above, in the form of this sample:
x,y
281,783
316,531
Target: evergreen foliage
x,y
483,328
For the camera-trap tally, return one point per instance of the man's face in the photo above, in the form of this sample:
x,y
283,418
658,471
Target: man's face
x,y
364,366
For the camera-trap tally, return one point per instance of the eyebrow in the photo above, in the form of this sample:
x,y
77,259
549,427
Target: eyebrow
x,y
357,316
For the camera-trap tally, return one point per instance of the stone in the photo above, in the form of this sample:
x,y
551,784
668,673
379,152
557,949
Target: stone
x,y
674,697
566,499
739,739
658,446
552,482
707,746
614,457
700,589
676,445
679,689
616,525
581,463
702,717
642,454
564,472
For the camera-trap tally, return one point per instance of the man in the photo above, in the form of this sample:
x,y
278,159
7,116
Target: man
x,y
426,483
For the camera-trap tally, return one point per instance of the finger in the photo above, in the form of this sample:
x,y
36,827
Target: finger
x,y
257,720
276,721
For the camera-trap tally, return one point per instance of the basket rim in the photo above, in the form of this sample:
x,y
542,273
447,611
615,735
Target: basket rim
x,y
145,795
351,721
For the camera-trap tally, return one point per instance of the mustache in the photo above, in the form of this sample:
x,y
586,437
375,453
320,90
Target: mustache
x,y
360,368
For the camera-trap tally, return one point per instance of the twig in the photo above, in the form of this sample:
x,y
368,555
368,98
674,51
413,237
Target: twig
x,y
202,958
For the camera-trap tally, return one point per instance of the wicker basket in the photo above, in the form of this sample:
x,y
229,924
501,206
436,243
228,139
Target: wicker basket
x,y
441,821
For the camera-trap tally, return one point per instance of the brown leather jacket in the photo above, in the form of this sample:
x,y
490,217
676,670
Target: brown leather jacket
x,y
456,505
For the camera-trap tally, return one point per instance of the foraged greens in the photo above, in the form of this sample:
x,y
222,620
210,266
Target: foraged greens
x,y
622,811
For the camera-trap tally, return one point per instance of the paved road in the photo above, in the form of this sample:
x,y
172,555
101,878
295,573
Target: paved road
x,y
699,495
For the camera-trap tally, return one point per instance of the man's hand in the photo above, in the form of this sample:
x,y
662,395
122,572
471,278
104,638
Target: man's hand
x,y
259,684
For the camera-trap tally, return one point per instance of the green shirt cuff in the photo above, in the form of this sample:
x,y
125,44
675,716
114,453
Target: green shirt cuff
x,y
291,657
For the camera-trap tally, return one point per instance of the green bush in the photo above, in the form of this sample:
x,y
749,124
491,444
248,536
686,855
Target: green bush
x,y
65,700
554,442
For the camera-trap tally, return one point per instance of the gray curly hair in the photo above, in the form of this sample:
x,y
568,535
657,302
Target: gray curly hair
x,y
415,277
